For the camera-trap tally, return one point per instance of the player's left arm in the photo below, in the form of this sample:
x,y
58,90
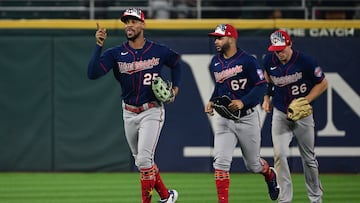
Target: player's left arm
x,y
176,78
317,90
317,76
257,78
174,62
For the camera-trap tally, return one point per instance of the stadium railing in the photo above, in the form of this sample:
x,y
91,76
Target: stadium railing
x,y
199,9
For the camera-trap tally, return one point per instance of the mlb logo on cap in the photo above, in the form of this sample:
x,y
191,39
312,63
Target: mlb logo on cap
x,y
279,40
133,13
224,30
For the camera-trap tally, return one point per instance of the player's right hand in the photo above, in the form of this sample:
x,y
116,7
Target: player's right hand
x,y
236,104
100,35
209,109
266,105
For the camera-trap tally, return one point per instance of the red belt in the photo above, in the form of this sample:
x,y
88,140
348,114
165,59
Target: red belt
x,y
142,108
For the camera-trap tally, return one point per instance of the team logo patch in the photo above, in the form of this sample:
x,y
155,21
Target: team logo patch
x,y
260,74
318,72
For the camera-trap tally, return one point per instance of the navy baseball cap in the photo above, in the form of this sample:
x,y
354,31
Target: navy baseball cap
x,y
279,40
224,30
135,13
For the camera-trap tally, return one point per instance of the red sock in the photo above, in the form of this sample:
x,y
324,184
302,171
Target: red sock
x,y
266,170
159,185
222,181
147,180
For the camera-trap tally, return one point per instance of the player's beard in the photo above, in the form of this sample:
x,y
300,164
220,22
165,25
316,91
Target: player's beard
x,y
134,37
224,48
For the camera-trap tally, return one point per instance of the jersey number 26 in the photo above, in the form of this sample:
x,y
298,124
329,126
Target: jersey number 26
x,y
298,89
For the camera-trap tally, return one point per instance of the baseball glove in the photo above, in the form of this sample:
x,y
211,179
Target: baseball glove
x,y
298,109
163,90
220,104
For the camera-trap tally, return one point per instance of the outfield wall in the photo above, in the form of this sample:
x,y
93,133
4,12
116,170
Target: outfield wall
x,y
52,118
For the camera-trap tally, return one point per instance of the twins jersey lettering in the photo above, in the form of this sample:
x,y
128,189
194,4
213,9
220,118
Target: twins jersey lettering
x,y
136,66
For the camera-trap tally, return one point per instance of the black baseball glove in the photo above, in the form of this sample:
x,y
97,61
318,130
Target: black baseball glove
x,y
221,106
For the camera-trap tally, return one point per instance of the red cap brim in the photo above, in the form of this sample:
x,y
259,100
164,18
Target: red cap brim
x,y
215,34
276,48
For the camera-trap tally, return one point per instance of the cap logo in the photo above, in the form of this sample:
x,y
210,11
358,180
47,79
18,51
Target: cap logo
x,y
224,30
278,39
221,29
133,12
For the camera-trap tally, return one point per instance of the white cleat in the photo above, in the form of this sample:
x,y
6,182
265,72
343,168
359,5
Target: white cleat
x,y
172,198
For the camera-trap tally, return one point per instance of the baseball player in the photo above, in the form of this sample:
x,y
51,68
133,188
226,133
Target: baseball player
x,y
239,76
292,75
135,64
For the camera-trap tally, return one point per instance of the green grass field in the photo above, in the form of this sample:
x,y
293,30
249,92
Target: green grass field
x,y
192,188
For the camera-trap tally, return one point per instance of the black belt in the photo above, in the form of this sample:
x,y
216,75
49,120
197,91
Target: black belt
x,y
245,112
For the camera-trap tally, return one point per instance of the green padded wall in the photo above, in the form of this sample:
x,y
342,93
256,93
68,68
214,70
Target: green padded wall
x,y
25,103
52,117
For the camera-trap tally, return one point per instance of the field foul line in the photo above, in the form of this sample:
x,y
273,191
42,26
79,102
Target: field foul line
x,y
268,152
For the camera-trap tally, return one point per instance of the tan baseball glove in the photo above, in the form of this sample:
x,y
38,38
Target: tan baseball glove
x,y
298,109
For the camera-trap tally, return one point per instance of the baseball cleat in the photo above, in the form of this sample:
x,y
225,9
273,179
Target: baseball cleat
x,y
273,187
173,196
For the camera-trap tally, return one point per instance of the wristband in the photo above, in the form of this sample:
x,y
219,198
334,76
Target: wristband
x,y
270,89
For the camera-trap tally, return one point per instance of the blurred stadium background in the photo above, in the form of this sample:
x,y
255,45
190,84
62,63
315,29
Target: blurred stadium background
x,y
171,9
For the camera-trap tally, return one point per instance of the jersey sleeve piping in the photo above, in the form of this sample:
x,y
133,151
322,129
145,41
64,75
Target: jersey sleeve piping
x,y
260,82
103,67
